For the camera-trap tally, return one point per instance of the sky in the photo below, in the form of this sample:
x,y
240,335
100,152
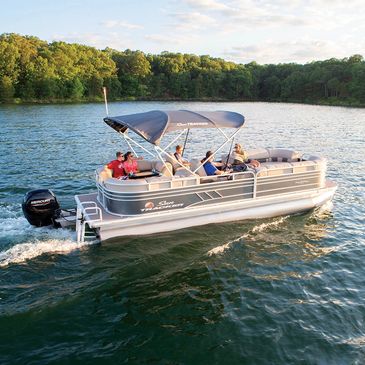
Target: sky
x,y
242,31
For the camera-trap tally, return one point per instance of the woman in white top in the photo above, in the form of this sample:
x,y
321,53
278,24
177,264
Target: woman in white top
x,y
240,156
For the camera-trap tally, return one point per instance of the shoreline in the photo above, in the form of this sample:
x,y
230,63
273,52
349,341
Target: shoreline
x,y
201,100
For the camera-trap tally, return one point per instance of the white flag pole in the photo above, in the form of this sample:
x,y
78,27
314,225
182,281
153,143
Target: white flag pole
x,y
106,101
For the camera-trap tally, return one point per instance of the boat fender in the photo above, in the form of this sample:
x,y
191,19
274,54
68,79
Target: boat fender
x,y
41,207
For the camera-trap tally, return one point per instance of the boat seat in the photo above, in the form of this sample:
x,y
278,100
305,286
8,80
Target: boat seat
x,y
105,174
261,171
194,164
191,180
259,154
158,183
164,169
320,161
148,165
269,155
275,168
145,165
303,166
172,160
126,185
248,174
278,168
181,172
284,155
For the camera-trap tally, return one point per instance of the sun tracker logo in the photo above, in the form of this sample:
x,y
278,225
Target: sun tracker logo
x,y
162,205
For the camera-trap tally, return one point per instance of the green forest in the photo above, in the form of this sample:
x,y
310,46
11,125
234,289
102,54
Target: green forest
x,y
33,70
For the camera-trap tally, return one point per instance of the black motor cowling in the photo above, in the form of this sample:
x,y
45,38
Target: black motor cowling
x,y
40,207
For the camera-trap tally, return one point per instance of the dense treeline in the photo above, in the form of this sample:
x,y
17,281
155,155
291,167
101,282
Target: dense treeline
x,y
32,70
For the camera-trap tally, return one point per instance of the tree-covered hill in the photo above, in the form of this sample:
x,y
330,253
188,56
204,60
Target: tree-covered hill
x,y
32,70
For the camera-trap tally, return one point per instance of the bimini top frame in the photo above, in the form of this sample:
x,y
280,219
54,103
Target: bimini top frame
x,y
153,125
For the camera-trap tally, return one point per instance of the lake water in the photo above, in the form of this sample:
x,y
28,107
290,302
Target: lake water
x,y
288,290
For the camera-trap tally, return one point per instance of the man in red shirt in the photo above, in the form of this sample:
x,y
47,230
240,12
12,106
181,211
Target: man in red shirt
x,y
117,165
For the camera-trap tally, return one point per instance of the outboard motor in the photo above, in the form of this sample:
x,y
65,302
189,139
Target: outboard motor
x,y
41,207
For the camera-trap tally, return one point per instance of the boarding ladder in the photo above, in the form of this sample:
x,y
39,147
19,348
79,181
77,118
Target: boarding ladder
x,y
84,217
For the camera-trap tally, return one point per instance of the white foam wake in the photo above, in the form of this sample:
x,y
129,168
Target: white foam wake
x,y
324,210
23,252
30,242
274,224
219,249
256,229
12,224
222,248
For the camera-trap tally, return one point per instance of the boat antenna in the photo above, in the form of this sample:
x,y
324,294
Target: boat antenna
x,y
105,101
186,138
229,154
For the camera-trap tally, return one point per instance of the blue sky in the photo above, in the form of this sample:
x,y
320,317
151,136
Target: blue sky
x,y
237,30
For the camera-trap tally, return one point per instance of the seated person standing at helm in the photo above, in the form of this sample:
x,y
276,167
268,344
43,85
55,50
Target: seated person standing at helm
x,y
117,165
178,155
210,166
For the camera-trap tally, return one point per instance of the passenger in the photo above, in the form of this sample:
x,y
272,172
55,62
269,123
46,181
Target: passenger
x,y
210,166
130,163
117,166
240,157
178,155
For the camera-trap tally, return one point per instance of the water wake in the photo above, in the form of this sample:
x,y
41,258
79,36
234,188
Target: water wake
x,y
219,249
38,241
270,225
256,229
14,226
324,210
11,223
22,252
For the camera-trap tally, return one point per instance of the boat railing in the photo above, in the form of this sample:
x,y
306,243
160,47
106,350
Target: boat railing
x,y
90,208
85,211
249,183
267,171
167,183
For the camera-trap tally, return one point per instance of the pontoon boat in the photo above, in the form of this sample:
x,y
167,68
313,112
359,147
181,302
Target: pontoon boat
x,y
167,195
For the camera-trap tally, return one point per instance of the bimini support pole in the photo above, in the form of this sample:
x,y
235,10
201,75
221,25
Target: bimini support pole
x,y
127,138
163,150
130,146
159,150
162,160
215,152
174,140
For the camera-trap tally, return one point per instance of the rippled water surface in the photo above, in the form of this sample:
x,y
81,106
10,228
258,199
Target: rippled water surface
x,y
288,290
